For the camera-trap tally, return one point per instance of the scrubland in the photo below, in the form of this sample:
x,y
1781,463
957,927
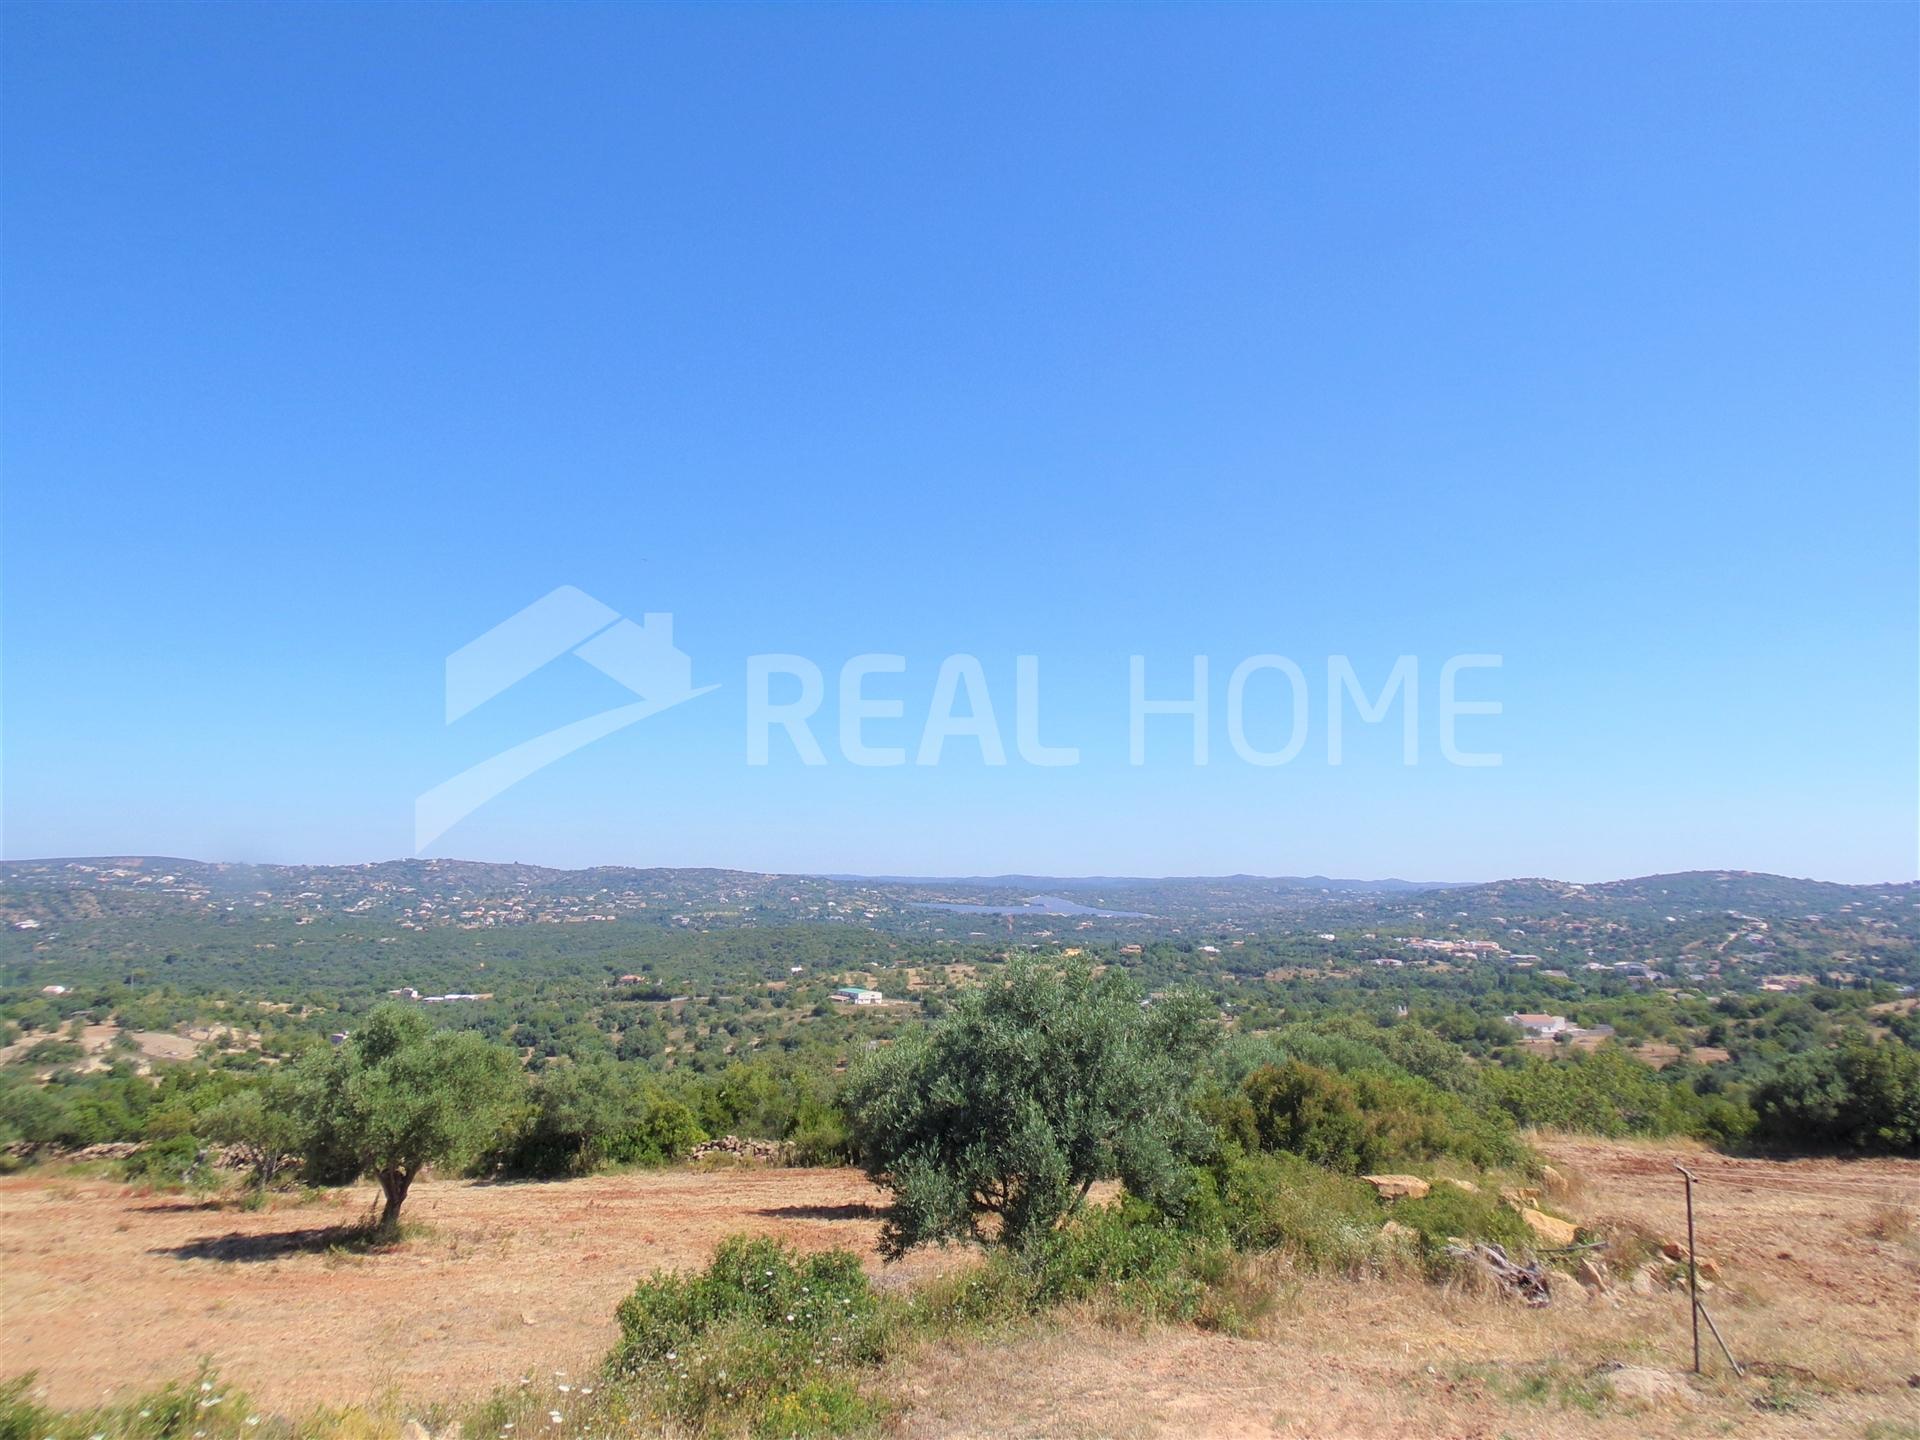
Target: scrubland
x,y
498,1309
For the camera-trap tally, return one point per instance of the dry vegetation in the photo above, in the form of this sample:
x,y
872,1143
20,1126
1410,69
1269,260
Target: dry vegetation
x,y
1819,1296
1818,1291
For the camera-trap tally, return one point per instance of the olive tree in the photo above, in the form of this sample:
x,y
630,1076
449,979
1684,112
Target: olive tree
x,y
400,1095
994,1122
261,1125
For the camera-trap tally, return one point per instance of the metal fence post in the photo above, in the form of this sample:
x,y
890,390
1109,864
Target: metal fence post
x,y
1699,1310
1693,1272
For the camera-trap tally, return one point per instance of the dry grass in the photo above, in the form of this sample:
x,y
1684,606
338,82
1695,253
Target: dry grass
x,y
1890,1222
1824,1315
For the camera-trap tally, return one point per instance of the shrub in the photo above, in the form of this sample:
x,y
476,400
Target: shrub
x,y
258,1125
751,1332
48,1052
1860,1096
1130,1254
1308,1111
1369,1119
597,1113
817,1407
1608,1092
820,1136
1448,1211
20,1418
201,1407
971,1298
179,1161
1282,1202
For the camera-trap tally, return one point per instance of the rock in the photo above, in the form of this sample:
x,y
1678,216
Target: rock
x,y
1530,1283
414,1430
1464,1185
1394,1230
1546,1229
1593,1274
765,1152
1398,1187
1644,1385
1674,1250
1553,1179
1709,1270
1565,1289
1520,1196
526,1318
1643,1282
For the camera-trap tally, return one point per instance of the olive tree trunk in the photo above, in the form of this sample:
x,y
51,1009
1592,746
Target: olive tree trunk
x,y
394,1184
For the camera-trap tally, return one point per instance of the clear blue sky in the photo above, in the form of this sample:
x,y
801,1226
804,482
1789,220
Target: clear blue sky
x,y
1583,335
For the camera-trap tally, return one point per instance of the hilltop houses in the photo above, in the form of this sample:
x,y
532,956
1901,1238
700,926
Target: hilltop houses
x,y
854,995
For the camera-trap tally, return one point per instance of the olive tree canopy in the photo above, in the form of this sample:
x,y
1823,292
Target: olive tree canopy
x,y
400,1095
1032,1087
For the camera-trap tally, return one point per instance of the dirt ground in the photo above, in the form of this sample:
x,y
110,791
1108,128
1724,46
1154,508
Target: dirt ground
x,y
107,1290
97,1041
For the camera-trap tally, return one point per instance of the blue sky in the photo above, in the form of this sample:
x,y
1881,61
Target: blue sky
x,y
1584,336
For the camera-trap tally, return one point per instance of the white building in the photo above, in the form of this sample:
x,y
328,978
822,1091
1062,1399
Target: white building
x,y
1539,1025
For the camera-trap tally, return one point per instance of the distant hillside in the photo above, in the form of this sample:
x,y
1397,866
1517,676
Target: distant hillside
x,y
422,893
1743,890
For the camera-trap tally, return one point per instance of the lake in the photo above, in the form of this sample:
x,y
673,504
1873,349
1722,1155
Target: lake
x,y
1038,905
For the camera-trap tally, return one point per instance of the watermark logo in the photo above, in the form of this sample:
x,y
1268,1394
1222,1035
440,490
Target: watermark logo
x,y
641,657
1275,710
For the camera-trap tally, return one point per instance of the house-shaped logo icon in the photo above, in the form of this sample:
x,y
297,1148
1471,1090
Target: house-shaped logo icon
x,y
642,658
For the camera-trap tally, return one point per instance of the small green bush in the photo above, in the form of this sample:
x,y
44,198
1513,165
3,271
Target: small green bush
x,y
1130,1253
20,1418
179,1410
1308,1111
179,1161
971,1299
736,1337
817,1407
1282,1202
1363,1120
1449,1211
820,1136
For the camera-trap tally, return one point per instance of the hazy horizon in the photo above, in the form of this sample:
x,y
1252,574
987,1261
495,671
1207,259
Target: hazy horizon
x,y
958,877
